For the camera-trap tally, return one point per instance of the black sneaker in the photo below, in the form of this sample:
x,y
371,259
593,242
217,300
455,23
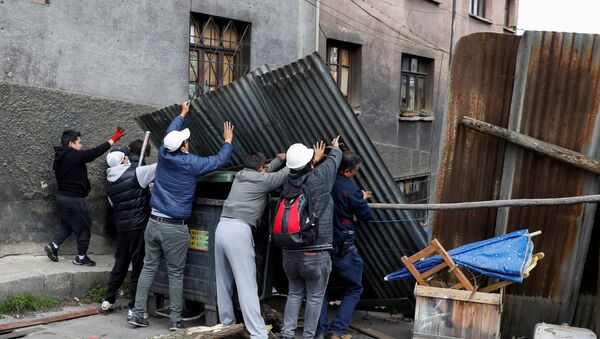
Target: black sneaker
x,y
138,321
51,252
86,261
176,325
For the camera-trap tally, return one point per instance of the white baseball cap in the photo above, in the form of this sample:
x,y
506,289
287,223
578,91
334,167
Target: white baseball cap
x,y
115,158
174,139
298,156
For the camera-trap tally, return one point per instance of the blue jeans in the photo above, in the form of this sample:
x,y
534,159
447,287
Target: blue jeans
x,y
349,267
308,274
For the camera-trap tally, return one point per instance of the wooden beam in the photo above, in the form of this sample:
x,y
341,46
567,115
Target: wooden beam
x,y
550,150
370,332
48,320
491,203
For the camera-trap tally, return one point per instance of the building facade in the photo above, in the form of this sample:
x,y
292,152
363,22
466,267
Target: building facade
x,y
391,59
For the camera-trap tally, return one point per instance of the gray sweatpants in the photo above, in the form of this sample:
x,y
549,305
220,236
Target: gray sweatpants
x,y
235,263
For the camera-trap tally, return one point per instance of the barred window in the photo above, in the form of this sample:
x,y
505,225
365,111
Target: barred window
x,y
219,52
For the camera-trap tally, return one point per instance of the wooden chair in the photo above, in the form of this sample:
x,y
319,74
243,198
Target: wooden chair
x,y
436,248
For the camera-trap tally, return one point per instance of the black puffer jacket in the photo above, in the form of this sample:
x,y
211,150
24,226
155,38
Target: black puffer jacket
x,y
131,202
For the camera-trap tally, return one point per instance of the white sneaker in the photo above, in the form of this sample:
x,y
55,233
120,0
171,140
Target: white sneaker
x,y
107,306
130,314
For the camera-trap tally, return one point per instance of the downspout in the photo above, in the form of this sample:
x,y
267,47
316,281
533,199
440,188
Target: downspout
x,y
317,14
452,32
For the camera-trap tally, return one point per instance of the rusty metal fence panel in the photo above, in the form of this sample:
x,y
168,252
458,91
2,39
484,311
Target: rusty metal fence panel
x,y
554,96
300,102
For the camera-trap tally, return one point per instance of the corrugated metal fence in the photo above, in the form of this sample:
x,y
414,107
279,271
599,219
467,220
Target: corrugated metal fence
x,y
545,85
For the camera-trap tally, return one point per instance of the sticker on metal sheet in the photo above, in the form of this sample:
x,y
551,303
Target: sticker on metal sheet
x,y
199,240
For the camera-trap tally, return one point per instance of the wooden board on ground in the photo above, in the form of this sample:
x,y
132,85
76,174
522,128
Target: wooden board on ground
x,y
204,332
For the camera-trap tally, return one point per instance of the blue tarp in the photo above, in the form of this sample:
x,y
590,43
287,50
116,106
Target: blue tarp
x,y
503,257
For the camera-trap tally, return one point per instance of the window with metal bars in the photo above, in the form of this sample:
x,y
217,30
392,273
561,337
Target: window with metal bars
x,y
219,52
414,84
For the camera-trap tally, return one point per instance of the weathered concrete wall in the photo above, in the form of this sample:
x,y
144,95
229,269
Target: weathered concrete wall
x,y
32,121
124,58
135,50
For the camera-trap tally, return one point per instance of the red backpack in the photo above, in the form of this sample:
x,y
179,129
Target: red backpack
x,y
296,224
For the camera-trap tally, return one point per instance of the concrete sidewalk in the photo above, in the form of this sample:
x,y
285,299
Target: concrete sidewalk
x,y
40,276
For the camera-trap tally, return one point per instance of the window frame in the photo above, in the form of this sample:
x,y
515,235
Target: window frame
x,y
478,8
354,67
197,45
424,108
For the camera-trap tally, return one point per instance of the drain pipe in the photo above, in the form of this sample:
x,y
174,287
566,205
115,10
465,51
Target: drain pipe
x,y
452,32
317,14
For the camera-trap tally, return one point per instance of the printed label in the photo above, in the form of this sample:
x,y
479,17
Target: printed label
x,y
198,240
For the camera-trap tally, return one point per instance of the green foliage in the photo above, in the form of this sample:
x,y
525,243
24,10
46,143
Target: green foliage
x,y
22,303
95,294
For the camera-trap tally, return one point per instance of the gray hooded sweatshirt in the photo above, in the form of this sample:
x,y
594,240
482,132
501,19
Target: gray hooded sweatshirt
x,y
249,192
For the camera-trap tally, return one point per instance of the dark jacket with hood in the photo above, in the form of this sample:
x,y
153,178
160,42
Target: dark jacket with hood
x,y
319,183
71,170
130,200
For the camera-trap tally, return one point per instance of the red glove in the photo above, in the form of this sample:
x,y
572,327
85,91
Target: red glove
x,y
118,134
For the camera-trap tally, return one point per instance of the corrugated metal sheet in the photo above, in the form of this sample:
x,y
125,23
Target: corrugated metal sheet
x,y
300,102
471,167
555,97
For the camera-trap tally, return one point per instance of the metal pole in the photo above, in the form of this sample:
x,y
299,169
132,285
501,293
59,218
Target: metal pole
x,y
144,145
491,203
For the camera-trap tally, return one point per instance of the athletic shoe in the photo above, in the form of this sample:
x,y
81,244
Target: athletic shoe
x,y
138,321
86,261
51,252
107,306
176,325
130,314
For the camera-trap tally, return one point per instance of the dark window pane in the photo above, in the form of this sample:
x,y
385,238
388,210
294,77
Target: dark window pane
x,y
411,93
403,91
193,72
344,80
333,55
414,64
420,99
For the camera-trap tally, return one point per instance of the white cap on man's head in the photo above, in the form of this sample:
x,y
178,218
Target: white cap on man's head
x,y
298,156
115,158
174,139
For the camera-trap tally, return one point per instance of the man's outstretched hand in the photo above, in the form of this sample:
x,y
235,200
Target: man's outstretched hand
x,y
185,108
118,134
319,148
228,132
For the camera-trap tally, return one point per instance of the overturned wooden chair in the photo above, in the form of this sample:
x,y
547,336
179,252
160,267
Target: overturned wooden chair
x,y
433,249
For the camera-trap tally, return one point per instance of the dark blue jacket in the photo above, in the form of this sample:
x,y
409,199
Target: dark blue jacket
x,y
175,181
348,202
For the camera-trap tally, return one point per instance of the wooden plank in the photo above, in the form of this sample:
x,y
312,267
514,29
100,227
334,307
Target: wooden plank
x,y
370,332
453,268
48,320
434,270
413,271
541,147
427,251
445,293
